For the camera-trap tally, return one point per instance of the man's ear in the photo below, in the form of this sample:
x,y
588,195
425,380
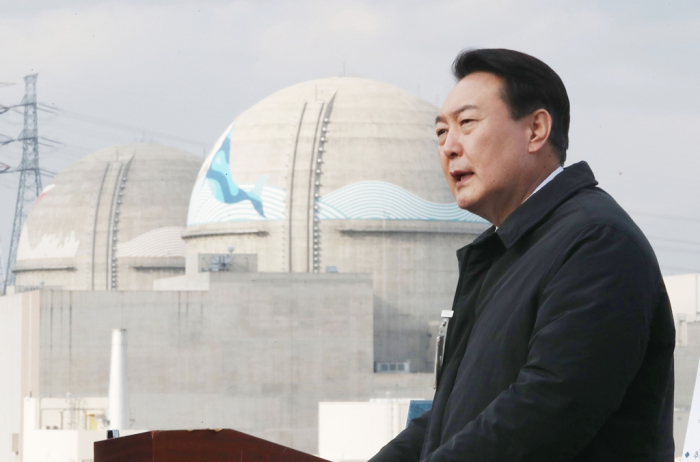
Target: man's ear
x,y
540,128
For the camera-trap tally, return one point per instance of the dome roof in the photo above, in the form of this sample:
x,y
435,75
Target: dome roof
x,y
362,149
340,175
116,211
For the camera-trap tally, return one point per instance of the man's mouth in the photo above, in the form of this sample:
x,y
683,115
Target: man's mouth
x,y
461,176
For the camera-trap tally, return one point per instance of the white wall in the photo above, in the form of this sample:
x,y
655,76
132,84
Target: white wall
x,y
61,445
355,431
19,364
10,370
683,293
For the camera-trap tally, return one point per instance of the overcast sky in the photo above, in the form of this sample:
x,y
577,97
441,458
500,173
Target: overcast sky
x,y
178,72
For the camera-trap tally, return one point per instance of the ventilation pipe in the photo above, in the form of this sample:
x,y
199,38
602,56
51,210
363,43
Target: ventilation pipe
x,y
118,396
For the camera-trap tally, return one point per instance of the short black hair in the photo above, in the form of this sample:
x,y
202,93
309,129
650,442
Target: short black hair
x,y
528,85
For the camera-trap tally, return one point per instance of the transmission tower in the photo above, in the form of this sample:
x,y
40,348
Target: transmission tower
x,y
30,176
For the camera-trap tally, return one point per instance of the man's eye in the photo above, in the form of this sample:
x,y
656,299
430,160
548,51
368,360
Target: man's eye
x,y
466,121
441,132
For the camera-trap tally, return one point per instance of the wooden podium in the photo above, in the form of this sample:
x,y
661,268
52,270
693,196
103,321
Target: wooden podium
x,y
196,445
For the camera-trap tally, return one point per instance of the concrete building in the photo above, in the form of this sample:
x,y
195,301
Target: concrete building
x,y
112,220
256,352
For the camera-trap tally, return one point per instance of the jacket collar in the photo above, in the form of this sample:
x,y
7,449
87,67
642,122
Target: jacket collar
x,y
536,207
544,201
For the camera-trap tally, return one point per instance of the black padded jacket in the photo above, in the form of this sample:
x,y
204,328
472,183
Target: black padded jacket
x,y
561,345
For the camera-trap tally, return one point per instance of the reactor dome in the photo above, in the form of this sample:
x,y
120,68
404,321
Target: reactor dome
x,y
340,175
112,220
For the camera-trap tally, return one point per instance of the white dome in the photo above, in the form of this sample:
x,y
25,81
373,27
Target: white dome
x,y
112,220
340,174
367,149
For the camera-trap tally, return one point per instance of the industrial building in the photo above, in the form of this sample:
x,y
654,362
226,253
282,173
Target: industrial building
x,y
335,174
306,260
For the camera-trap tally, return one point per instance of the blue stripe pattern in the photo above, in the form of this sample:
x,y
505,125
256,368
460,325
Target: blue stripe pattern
x,y
366,200
377,200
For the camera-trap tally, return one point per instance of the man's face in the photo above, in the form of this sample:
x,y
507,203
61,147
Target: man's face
x,y
481,148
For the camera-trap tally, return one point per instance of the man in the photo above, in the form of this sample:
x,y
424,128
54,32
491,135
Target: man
x,y
560,345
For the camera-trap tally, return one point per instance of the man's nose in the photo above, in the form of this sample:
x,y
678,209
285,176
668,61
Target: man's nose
x,y
452,147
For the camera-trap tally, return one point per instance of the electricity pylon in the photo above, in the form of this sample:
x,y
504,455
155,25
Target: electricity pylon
x,y
30,176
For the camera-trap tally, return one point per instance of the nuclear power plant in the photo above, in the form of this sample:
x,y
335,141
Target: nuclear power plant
x,y
306,260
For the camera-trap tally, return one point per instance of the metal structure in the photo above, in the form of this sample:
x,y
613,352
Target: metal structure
x,y
2,274
30,175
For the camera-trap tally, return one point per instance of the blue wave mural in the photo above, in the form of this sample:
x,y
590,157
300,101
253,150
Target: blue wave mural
x,y
223,188
377,200
216,198
367,200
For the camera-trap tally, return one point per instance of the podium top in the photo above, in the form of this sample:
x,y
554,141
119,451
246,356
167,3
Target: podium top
x,y
196,445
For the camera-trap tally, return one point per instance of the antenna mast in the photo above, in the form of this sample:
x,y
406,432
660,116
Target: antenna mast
x,y
30,176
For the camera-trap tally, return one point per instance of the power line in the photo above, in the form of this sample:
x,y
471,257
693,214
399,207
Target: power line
x,y
667,217
67,116
61,116
4,109
675,241
122,126
686,251
90,132
676,268
6,140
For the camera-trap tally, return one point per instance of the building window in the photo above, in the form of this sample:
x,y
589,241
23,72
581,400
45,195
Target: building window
x,y
392,367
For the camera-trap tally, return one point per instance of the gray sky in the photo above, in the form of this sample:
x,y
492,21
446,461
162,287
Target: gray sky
x,y
178,72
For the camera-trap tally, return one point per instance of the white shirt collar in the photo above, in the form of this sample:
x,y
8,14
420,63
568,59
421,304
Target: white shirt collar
x,y
546,180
